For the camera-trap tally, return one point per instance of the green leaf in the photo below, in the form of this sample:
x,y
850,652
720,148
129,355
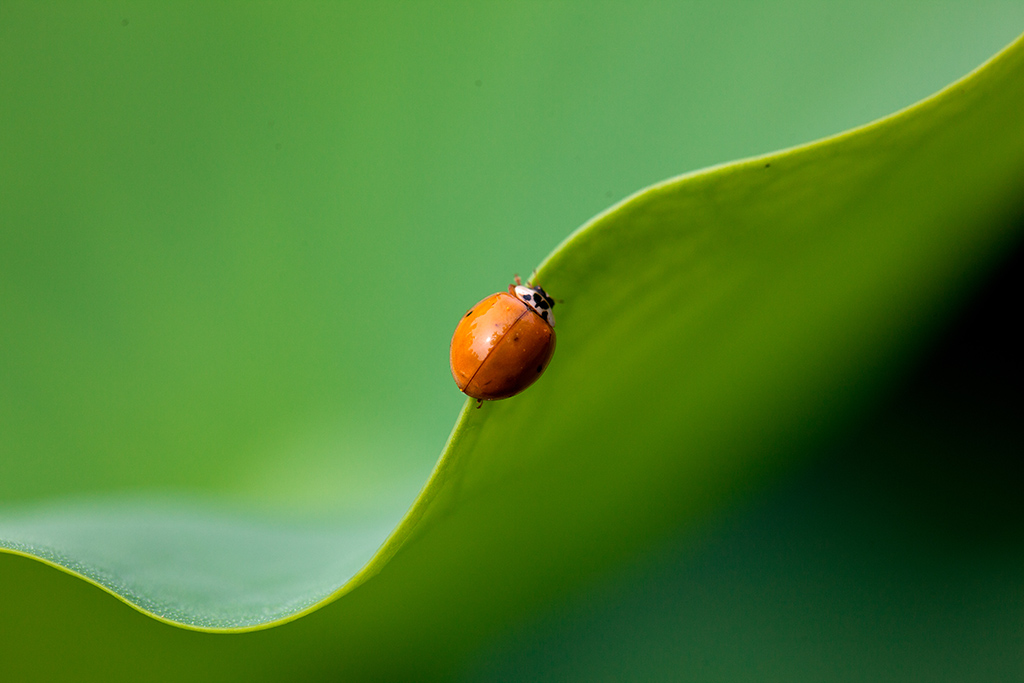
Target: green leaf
x,y
193,563
703,318
709,326
901,538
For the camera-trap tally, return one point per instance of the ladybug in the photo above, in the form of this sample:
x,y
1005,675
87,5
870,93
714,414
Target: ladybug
x,y
504,343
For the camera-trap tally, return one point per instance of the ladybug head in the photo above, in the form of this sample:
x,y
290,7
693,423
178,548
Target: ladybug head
x,y
537,299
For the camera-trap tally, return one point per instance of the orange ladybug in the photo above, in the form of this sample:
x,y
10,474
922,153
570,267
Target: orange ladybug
x,y
504,343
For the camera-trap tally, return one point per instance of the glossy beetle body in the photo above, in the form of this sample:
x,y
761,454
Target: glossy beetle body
x,y
503,344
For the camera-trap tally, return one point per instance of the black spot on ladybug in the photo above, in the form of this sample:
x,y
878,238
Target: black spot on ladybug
x,y
543,300
515,338
540,368
526,297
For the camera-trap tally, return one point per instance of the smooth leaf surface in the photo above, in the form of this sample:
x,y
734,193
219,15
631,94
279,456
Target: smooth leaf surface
x,y
702,318
710,325
192,563
899,539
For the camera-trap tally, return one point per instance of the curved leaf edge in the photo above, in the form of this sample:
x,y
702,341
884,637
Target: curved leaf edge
x,y
469,416
468,420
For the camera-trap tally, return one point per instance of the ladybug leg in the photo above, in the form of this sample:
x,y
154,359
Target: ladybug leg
x,y
479,403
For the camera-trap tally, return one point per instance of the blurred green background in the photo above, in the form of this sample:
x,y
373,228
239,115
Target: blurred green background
x,y
235,237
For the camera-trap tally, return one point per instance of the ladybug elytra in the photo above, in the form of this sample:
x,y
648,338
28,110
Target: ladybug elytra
x,y
503,344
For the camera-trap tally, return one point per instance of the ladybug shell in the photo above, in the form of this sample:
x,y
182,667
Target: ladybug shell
x,y
500,347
